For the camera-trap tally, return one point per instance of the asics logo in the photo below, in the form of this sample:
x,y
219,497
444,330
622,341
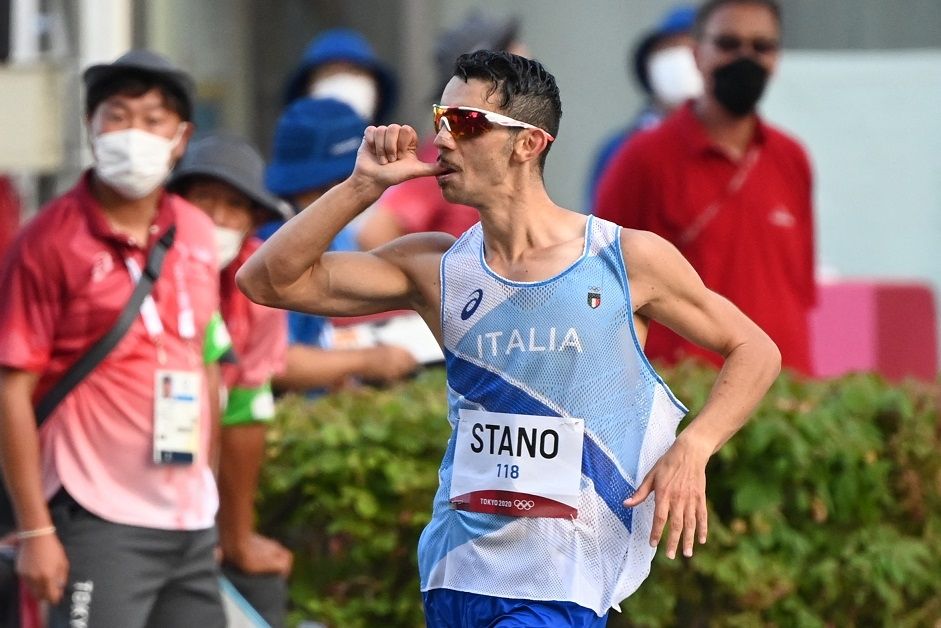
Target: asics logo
x,y
472,305
523,504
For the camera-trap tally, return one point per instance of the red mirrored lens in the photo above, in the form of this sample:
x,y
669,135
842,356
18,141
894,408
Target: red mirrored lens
x,y
463,123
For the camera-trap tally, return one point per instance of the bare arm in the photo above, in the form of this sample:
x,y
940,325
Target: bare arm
x,y
214,383
243,451
293,270
313,367
41,561
378,228
665,288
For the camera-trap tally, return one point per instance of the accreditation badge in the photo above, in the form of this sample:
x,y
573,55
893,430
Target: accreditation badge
x,y
517,465
176,416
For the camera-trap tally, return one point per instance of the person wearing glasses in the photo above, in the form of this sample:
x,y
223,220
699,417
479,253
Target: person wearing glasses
x,y
561,428
417,205
732,192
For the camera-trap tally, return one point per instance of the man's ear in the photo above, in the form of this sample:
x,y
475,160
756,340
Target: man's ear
x,y
530,144
188,128
89,134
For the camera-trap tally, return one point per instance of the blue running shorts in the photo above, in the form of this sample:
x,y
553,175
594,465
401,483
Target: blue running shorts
x,y
445,608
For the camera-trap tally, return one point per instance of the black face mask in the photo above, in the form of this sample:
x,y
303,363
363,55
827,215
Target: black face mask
x,y
738,85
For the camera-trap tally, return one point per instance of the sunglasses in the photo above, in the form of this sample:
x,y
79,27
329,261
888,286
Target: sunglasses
x,y
734,43
471,122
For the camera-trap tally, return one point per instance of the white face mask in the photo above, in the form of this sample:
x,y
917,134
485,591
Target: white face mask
x,y
132,161
674,77
228,244
357,91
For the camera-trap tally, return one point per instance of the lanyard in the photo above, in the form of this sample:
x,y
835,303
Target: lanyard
x,y
186,324
735,184
148,308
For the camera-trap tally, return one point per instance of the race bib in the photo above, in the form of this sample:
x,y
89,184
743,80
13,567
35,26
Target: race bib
x,y
176,417
517,465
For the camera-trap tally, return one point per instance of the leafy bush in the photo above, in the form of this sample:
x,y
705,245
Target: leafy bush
x,y
825,508
348,487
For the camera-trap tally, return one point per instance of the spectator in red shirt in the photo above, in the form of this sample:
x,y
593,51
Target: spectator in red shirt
x,y
9,213
127,537
730,191
417,205
224,176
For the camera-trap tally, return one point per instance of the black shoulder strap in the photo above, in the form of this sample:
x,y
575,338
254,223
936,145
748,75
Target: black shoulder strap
x,y
87,363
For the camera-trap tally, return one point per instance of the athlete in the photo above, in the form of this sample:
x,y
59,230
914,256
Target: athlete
x,y
561,428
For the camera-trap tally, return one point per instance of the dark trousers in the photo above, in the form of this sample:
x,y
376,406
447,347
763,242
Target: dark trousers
x,y
267,593
124,576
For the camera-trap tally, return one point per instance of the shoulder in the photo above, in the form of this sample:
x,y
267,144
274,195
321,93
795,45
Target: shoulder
x,y
643,248
42,237
61,213
423,245
785,143
787,149
657,271
418,256
649,257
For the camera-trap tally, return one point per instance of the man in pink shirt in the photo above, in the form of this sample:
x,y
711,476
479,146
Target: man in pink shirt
x,y
114,496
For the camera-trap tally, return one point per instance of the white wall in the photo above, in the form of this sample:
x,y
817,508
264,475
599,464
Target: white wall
x,y
872,124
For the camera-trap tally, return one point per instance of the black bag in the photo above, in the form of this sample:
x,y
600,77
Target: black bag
x,y
93,357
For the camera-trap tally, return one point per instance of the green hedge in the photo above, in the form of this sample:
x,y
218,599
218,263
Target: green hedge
x,y
825,509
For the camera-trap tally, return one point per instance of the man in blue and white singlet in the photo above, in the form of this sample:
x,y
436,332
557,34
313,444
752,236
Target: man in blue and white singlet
x,y
562,430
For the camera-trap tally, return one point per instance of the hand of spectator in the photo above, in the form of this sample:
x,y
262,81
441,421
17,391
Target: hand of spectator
x,y
259,554
678,481
388,156
388,364
41,563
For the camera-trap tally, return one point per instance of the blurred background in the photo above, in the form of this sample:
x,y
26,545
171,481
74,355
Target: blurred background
x,y
826,508
859,84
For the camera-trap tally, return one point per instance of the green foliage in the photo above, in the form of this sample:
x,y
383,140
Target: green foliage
x,y
348,487
825,510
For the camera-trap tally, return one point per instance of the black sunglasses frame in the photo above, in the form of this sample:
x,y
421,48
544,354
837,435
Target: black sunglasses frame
x,y
734,43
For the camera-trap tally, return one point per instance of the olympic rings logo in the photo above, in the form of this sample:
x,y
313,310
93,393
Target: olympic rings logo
x,y
523,504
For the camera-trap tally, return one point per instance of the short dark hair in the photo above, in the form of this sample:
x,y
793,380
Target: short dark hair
x,y
528,92
135,83
711,6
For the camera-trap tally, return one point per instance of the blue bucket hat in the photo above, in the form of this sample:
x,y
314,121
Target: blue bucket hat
x,y
676,21
315,145
341,44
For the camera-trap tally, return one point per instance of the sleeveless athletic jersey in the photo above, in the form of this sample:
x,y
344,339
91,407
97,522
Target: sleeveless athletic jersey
x,y
564,347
